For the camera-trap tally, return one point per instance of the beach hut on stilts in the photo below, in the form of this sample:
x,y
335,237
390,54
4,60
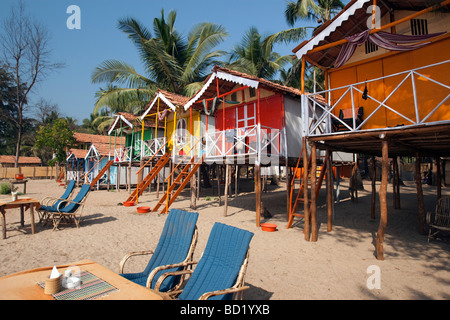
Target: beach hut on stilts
x,y
386,67
257,124
168,151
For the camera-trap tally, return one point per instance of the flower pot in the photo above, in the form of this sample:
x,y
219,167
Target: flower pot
x,y
18,176
269,227
143,209
128,203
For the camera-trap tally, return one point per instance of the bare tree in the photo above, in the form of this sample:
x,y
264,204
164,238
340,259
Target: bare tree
x,y
25,49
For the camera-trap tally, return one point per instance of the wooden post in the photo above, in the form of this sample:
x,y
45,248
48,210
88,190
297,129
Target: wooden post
x,y
194,192
218,184
383,202
374,191
227,181
329,190
396,182
313,177
288,189
257,176
421,207
438,177
306,227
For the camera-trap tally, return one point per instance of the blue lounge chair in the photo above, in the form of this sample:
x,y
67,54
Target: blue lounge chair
x,y
50,203
70,209
176,245
221,270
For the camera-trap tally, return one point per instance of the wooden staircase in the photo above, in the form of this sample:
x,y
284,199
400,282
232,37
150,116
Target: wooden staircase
x,y
299,198
174,189
149,178
100,174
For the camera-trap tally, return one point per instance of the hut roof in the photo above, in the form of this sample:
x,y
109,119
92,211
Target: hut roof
x,y
227,80
22,160
352,19
167,100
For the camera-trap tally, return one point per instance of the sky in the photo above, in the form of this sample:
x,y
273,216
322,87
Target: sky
x,y
99,39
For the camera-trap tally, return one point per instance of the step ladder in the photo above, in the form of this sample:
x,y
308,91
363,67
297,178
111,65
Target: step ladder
x,y
174,189
300,198
100,174
149,177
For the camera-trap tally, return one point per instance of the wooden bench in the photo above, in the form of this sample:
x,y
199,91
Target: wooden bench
x,y
441,219
345,115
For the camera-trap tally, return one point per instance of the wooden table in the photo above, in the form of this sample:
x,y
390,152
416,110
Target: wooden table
x,y
25,203
20,181
24,285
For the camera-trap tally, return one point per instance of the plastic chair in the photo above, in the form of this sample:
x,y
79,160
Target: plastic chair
x,y
221,270
70,209
50,203
176,245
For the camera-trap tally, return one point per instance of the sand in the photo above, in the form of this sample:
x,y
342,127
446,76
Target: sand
x,y
282,265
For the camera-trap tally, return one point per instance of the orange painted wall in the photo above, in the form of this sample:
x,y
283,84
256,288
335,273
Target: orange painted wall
x,y
429,94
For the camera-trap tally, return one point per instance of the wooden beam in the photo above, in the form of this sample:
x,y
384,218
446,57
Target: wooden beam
x,y
313,178
306,228
330,190
383,203
420,204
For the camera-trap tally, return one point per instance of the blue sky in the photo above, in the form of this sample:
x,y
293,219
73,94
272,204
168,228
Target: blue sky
x,y
99,38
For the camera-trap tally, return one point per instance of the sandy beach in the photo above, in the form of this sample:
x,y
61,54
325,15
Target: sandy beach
x,y
282,265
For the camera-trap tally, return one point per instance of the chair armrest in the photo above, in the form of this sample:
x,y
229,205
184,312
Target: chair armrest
x,y
132,254
428,217
173,273
207,295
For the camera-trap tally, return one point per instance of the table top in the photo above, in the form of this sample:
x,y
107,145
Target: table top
x,y
24,285
17,203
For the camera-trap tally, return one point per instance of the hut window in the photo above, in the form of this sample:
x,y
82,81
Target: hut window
x,y
370,47
252,92
419,27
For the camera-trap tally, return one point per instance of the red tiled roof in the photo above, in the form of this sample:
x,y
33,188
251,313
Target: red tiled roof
x,y
23,160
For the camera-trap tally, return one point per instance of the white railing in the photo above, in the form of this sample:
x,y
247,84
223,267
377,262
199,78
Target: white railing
x,y
427,97
186,146
123,154
255,142
154,146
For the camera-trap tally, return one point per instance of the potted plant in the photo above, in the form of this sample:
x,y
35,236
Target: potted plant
x,y
13,192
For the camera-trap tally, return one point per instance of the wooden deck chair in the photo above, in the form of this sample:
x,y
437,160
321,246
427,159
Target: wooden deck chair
x,y
176,245
51,203
221,270
441,219
70,209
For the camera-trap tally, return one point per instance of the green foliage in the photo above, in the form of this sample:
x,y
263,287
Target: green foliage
x,y
5,188
57,136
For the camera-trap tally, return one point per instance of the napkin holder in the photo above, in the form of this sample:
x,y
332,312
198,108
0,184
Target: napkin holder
x,y
52,285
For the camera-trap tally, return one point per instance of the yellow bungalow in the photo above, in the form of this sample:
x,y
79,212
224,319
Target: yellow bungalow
x,y
183,129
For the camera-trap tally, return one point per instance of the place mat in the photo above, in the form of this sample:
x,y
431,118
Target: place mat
x,y
92,287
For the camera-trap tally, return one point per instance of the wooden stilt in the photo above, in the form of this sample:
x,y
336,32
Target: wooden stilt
x,y
257,175
383,202
218,184
420,204
227,181
193,188
330,188
438,178
374,191
395,183
313,207
306,228
288,189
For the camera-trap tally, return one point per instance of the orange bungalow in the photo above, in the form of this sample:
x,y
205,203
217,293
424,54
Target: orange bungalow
x,y
386,66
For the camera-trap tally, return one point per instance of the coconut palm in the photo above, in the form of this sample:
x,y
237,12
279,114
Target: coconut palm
x,y
254,56
171,62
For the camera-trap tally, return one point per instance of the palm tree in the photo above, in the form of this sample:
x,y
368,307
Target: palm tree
x,y
320,10
171,62
254,56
